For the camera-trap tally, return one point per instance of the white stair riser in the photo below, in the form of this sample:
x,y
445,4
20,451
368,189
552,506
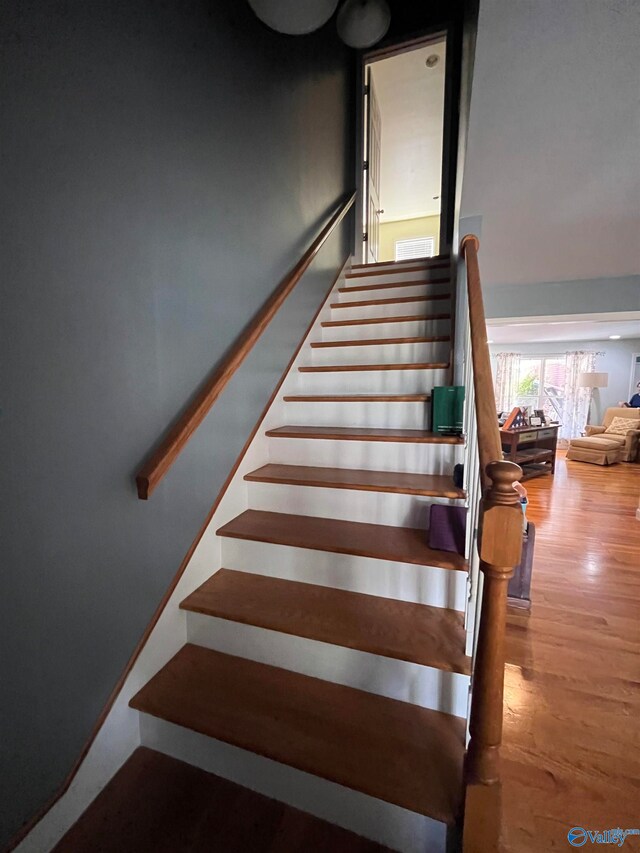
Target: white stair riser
x,y
401,581
408,682
372,818
412,381
409,329
383,415
394,276
369,455
404,309
435,351
419,289
345,504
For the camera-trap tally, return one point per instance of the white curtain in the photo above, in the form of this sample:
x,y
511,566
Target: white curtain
x,y
507,377
576,400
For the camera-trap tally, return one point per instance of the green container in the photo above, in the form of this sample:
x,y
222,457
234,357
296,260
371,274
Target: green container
x,y
447,405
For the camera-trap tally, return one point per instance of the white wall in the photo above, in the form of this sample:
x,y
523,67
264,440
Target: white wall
x,y
553,159
411,101
616,361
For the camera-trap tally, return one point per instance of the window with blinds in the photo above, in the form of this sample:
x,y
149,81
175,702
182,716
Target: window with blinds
x,y
417,247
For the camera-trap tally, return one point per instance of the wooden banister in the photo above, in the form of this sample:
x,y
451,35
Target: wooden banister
x,y
169,449
499,549
489,445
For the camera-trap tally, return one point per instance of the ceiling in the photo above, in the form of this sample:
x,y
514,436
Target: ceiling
x,y
411,101
543,329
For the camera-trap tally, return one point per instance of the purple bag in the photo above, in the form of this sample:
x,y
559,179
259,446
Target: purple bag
x,y
447,528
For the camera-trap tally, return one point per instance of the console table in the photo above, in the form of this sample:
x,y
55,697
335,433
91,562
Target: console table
x,y
532,448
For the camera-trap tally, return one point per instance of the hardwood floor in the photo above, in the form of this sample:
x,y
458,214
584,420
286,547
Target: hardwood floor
x,y
571,750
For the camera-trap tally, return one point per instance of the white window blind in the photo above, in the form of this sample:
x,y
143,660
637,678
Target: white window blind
x,y
417,247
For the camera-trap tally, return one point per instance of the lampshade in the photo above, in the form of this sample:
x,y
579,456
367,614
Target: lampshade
x,y
294,17
362,23
593,380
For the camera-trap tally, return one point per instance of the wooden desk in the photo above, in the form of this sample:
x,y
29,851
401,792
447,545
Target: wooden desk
x,y
533,448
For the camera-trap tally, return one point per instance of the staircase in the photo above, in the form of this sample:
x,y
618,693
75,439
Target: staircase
x,y
325,664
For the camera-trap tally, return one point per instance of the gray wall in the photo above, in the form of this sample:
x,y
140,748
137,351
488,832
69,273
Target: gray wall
x,y
615,360
163,166
553,161
602,295
546,298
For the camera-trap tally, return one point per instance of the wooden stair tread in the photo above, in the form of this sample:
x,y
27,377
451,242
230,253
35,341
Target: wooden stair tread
x,y
417,633
157,804
368,321
364,270
357,398
378,541
413,436
364,342
424,261
409,365
394,300
393,284
431,485
391,750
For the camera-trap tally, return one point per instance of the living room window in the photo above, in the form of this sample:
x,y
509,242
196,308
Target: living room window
x,y
540,384
550,383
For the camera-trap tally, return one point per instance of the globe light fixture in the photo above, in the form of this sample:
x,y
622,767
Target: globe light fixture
x,y
294,17
362,23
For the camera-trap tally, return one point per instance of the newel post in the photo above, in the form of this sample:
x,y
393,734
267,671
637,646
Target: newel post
x,y
499,548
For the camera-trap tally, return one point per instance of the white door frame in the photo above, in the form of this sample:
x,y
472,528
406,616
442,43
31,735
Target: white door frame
x,y
367,58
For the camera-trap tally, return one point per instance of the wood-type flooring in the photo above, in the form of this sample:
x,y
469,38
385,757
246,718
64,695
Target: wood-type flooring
x,y
571,748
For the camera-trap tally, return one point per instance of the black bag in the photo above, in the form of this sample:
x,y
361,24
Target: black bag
x,y
458,475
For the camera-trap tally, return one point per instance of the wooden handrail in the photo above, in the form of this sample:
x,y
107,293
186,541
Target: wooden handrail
x,y
499,549
489,445
169,449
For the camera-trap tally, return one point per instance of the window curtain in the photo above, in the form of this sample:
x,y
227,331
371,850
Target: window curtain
x,y
576,400
507,376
